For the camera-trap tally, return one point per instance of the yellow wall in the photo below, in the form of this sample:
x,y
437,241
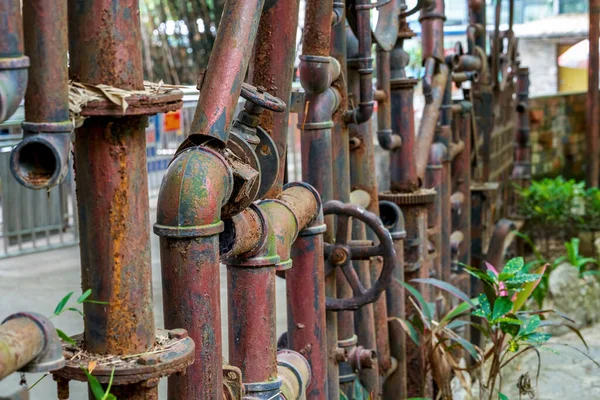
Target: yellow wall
x,y
571,79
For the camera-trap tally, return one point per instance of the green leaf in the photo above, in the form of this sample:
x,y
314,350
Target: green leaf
x,y
482,276
484,309
458,310
538,338
531,325
110,382
502,396
95,302
569,326
453,290
408,328
528,288
76,310
509,328
523,278
502,306
95,386
84,296
514,266
424,307
65,337
468,346
62,303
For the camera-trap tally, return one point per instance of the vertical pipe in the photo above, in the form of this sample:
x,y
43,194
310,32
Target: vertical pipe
x,y
41,159
13,64
522,169
252,323
46,44
112,182
190,263
306,307
272,67
593,103
222,83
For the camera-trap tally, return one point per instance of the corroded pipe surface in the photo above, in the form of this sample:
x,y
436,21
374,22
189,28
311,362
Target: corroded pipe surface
x,y
429,120
432,28
221,85
272,67
593,102
21,340
13,64
41,159
306,306
196,185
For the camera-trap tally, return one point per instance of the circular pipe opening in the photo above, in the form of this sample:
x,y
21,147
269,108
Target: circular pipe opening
x,y
388,215
35,163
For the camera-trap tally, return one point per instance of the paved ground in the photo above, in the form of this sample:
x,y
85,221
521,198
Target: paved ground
x,y
37,282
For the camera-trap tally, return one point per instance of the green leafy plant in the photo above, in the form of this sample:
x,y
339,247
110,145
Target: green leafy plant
x,y
508,330
574,258
99,392
61,307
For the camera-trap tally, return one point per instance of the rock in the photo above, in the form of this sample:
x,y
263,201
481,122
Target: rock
x,y
572,296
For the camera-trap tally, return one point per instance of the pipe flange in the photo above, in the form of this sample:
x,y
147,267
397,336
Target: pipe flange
x,y
138,104
14,63
350,342
263,390
420,197
50,358
145,367
403,83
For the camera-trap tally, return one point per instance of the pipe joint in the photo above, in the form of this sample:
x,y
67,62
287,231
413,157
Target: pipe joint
x,y
361,358
294,371
393,219
13,83
319,112
41,159
30,344
317,73
388,140
197,184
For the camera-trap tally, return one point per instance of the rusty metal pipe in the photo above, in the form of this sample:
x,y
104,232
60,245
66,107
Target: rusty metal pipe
x,y
468,63
593,102
294,372
393,219
111,175
306,306
363,63
385,135
522,167
13,64
272,67
41,160
189,251
429,120
432,31
317,29
221,84
21,340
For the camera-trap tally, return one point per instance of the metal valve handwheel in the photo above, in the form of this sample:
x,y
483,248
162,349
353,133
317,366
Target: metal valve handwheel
x,y
343,251
260,97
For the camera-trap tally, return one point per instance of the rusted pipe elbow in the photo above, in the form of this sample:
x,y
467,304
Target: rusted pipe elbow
x,y
270,227
387,140
29,343
320,110
41,159
197,184
393,219
361,358
317,73
429,120
294,371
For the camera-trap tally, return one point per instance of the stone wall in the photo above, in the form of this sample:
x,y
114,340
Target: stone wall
x,y
558,135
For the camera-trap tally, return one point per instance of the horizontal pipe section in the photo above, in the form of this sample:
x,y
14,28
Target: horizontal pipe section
x,y
21,341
